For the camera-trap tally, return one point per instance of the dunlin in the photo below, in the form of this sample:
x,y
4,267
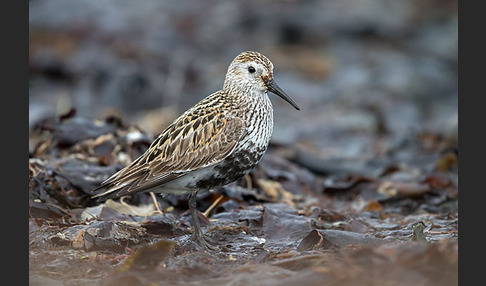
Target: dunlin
x,y
214,143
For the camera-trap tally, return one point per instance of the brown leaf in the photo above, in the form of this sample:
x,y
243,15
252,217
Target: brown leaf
x,y
275,192
438,181
373,205
408,189
148,256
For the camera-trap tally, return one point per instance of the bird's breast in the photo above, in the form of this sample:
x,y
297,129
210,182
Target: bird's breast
x,y
258,116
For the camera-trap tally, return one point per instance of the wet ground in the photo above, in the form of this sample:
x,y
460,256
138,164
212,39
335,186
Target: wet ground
x,y
294,219
358,188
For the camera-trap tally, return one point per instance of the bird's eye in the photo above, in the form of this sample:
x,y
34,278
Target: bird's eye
x,y
251,69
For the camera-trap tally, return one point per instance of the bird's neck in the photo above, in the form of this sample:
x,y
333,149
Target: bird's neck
x,y
246,94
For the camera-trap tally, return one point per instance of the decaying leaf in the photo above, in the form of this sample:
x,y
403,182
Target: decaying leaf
x,y
275,192
147,256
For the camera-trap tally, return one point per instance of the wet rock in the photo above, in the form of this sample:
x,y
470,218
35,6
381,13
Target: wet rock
x,y
342,166
279,221
101,235
161,226
83,175
72,131
335,238
40,210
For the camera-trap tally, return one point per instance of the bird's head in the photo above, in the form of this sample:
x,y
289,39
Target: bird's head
x,y
255,71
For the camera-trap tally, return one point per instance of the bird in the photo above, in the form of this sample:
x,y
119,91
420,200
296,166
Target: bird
x,y
216,142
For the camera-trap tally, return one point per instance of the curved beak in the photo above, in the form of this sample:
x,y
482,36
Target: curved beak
x,y
274,88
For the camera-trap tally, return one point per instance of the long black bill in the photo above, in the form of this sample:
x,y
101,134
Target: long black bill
x,y
273,87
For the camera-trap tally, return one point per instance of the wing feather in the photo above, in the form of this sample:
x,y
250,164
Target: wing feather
x,y
185,146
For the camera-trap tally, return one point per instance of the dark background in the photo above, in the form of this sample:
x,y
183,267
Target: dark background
x,y
358,69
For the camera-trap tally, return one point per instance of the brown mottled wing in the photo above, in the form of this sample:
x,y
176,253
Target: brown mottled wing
x,y
192,142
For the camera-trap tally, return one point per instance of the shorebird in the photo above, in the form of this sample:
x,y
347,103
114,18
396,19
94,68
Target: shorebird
x,y
214,143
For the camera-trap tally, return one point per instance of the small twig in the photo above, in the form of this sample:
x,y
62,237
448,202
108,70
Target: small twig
x,y
206,213
129,206
156,203
249,184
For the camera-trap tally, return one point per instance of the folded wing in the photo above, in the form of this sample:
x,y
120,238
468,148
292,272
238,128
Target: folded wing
x,y
192,142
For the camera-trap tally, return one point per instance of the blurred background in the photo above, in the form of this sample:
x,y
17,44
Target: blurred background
x,y
371,154
360,70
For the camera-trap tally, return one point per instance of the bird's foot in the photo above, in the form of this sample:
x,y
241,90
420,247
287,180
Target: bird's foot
x,y
205,242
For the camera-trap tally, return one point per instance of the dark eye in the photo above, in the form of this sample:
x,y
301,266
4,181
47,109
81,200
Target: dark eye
x,y
251,69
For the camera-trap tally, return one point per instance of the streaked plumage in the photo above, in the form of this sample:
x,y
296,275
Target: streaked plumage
x,y
214,143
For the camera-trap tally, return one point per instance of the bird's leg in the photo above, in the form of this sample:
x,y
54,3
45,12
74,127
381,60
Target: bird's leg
x,y
195,220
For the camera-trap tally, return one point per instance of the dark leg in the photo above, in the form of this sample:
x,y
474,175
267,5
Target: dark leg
x,y
195,220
